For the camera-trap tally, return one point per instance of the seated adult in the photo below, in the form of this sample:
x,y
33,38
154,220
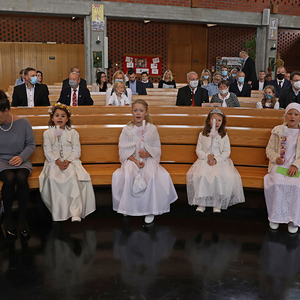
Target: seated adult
x,y
167,82
225,75
269,99
291,93
269,77
240,87
101,84
261,83
287,76
21,79
39,76
136,86
224,97
30,93
192,94
233,74
205,78
213,86
16,145
76,70
118,76
145,80
280,83
75,95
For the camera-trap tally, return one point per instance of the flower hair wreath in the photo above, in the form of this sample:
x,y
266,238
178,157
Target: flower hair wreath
x,y
59,105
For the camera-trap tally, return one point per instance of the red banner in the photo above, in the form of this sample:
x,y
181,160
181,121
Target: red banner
x,y
141,63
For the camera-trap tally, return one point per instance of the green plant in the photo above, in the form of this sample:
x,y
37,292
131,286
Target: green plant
x,y
250,47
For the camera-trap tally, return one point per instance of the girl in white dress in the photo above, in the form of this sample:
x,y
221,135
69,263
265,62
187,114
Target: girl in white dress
x,y
141,187
282,189
118,97
65,186
213,180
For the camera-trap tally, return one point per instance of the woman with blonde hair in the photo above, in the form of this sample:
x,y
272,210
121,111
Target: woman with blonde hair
x,y
118,76
167,82
205,78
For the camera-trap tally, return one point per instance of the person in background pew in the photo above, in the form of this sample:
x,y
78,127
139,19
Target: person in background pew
x,y
291,93
141,187
205,78
74,94
192,94
213,181
269,78
30,93
39,76
240,87
212,87
136,86
224,97
269,99
145,80
101,84
167,82
261,83
280,83
65,186
287,76
118,98
233,74
16,146
82,81
118,76
21,79
225,75
281,185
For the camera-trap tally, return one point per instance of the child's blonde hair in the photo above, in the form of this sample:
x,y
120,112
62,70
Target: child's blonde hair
x,y
118,84
207,127
273,100
145,104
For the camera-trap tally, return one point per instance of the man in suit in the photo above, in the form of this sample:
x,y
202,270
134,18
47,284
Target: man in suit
x,y
76,70
240,87
280,82
225,75
30,93
75,95
192,94
248,67
136,86
291,93
261,83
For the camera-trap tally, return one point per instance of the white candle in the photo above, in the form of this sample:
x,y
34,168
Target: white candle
x,y
214,125
143,132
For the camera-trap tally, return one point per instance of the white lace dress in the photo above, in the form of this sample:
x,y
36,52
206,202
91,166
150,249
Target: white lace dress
x,y
282,193
69,192
160,191
219,185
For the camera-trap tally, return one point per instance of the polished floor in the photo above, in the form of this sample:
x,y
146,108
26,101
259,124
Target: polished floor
x,y
184,255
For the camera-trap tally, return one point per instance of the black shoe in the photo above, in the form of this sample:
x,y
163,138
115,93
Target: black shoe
x,y
11,235
25,235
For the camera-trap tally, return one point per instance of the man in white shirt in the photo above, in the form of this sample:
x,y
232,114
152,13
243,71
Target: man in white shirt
x,y
261,83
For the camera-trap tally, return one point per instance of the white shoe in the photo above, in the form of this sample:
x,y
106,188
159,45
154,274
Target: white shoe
x,y
216,210
273,226
292,228
149,219
76,219
200,208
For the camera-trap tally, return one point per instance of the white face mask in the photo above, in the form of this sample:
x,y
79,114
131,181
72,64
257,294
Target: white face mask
x,y
194,83
223,92
297,85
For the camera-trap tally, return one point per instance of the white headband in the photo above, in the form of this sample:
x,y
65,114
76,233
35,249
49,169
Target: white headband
x,y
293,105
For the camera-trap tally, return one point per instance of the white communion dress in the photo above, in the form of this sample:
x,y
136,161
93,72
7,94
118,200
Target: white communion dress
x,y
66,193
282,193
217,186
159,192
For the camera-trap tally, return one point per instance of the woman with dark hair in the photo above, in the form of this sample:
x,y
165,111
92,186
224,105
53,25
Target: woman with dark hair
x,y
101,84
39,75
16,146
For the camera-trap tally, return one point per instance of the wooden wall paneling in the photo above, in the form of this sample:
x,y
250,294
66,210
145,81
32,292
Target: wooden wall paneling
x,y
75,56
6,71
199,49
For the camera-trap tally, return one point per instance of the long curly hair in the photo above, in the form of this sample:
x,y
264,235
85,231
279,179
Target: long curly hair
x,y
68,123
207,127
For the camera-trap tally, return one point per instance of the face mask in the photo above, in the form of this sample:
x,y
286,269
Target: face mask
x,y
242,59
33,80
72,83
241,79
224,73
280,76
206,76
233,75
194,83
116,80
223,92
297,85
268,97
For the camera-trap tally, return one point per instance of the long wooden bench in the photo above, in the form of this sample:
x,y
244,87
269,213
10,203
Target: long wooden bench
x,y
100,152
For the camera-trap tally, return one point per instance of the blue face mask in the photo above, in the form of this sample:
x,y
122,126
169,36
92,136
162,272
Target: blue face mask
x,y
33,80
241,79
224,73
242,59
268,97
233,75
206,76
116,80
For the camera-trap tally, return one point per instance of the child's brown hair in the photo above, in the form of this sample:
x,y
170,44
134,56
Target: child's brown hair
x,y
62,107
207,127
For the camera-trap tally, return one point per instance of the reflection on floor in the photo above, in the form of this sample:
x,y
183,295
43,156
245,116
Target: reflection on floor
x,y
183,255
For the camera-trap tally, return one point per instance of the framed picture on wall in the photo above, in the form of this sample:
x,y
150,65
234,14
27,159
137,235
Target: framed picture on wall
x,y
97,17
